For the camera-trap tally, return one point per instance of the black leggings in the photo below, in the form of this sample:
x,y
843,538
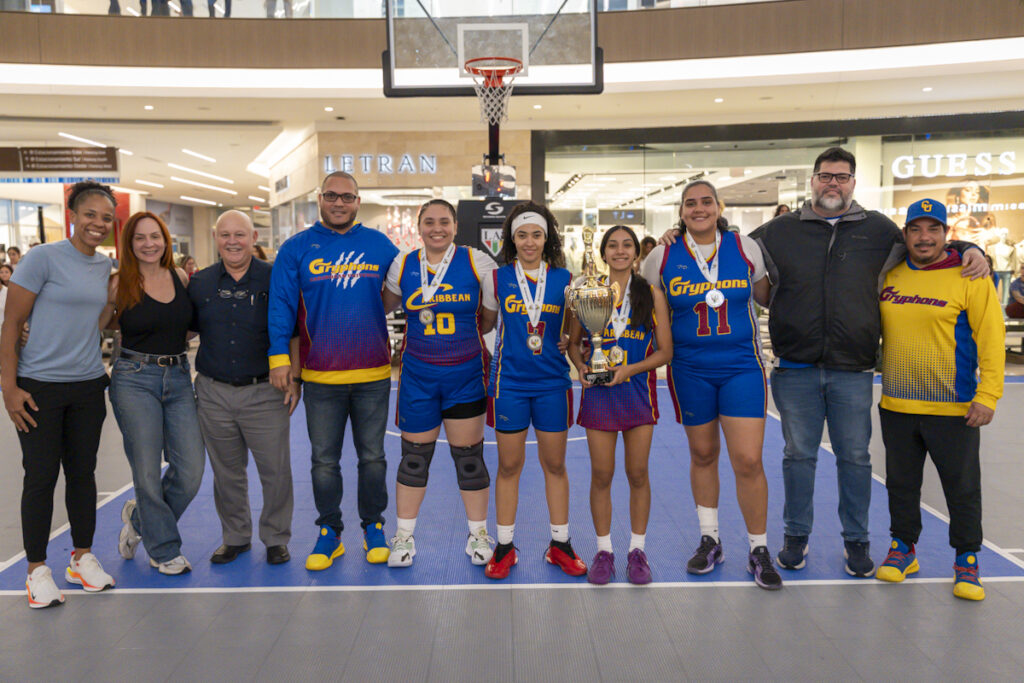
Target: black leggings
x,y
69,422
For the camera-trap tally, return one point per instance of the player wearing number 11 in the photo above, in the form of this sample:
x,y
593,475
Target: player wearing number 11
x,y
447,293
711,276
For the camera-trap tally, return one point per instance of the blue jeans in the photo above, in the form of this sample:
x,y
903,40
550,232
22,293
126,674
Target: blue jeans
x,y
155,408
328,408
806,399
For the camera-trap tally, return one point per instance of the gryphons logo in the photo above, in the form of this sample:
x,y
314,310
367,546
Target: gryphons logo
x,y
345,271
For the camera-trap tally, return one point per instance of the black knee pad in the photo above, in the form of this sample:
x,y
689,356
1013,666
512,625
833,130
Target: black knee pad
x,y
470,469
415,465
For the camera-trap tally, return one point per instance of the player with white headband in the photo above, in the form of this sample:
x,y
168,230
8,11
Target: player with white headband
x,y
711,277
448,296
637,340
529,380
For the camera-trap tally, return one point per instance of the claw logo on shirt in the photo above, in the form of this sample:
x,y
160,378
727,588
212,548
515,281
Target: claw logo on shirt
x,y
345,271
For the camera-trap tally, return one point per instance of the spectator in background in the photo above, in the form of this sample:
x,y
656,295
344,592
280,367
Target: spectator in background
x,y
258,252
13,255
781,209
6,271
271,6
1014,309
188,264
646,245
211,4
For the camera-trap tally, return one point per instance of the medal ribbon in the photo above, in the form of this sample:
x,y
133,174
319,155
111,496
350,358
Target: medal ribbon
x,y
532,303
620,318
710,271
428,289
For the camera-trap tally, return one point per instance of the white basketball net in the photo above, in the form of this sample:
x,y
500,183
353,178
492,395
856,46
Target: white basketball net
x,y
494,91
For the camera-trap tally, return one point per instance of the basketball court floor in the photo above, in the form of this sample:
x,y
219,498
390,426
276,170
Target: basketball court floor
x,y
442,620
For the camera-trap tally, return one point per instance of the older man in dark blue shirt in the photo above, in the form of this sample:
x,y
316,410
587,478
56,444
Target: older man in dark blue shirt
x,y
239,409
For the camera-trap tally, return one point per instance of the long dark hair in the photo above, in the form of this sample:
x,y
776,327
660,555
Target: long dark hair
x,y
641,299
552,243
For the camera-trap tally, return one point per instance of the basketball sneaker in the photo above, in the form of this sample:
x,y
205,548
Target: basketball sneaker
x,y
899,563
637,570
376,547
706,557
602,568
759,564
858,559
478,547
501,562
172,567
328,547
794,553
403,549
562,555
967,585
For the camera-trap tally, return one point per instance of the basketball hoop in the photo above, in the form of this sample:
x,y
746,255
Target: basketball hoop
x,y
492,81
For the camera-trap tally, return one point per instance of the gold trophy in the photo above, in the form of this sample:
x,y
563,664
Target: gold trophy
x,y
593,304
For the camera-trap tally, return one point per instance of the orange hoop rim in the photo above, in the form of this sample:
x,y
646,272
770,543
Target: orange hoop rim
x,y
494,75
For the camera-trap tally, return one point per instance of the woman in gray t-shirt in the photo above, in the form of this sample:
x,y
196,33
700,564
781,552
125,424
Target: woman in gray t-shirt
x,y
54,389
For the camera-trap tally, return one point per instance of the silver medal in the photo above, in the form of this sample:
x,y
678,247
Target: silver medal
x,y
714,298
426,316
616,355
535,342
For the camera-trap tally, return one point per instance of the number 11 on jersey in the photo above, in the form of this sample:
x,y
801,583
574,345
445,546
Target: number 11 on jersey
x,y
703,312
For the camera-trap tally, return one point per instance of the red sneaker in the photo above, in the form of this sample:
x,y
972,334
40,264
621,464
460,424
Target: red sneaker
x,y
569,562
499,569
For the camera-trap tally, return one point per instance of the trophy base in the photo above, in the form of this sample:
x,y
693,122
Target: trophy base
x,y
602,377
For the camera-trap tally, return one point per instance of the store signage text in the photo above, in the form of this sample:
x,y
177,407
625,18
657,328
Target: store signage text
x,y
383,164
954,165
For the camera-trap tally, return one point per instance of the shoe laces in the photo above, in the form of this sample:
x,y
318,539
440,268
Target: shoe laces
x,y
707,544
969,574
400,542
761,557
637,556
481,538
87,562
895,557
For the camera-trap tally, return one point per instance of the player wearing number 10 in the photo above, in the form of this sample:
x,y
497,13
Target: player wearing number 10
x,y
448,297
711,276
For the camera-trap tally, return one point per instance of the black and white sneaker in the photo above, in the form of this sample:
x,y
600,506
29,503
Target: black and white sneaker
x,y
858,559
794,553
759,564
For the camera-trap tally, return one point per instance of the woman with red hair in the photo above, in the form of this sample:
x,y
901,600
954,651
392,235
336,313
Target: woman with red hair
x,y
151,393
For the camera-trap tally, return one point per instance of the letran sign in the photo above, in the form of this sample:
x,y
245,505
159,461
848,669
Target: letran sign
x,y
954,165
384,164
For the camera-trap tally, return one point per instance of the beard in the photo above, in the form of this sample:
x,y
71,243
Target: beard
x,y
830,202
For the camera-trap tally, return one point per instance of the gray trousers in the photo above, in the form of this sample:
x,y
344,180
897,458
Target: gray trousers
x,y
234,421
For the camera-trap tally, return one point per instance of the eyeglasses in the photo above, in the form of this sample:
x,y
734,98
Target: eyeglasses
x,y
841,178
331,197
233,293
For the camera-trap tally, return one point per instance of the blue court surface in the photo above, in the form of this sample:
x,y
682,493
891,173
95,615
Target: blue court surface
x,y
441,530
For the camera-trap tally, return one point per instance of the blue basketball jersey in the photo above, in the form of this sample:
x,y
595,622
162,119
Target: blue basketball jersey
x,y
514,365
706,340
453,336
625,405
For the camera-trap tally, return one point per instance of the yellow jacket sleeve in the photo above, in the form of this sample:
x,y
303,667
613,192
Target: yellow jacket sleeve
x,y
986,319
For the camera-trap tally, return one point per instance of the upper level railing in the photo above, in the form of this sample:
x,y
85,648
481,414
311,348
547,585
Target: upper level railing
x,y
283,9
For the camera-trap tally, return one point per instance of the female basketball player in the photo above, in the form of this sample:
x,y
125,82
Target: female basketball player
x,y
711,277
636,345
529,381
447,293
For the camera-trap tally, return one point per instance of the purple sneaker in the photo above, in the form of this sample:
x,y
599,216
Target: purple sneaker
x,y
760,566
602,569
637,569
706,556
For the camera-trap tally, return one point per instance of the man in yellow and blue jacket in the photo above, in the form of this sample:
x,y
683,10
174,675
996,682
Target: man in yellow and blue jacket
x,y
942,373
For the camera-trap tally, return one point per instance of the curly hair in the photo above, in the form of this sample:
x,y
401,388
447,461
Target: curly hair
x,y
552,243
87,188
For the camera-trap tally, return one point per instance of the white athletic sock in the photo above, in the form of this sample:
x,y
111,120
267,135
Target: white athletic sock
x,y
604,543
757,540
636,541
708,520
505,533
560,533
476,527
406,527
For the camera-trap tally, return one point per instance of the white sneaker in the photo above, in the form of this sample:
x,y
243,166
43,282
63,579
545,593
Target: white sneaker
x,y
403,549
42,591
479,548
172,567
128,539
88,574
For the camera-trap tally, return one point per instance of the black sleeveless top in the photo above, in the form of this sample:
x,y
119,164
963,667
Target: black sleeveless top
x,y
158,328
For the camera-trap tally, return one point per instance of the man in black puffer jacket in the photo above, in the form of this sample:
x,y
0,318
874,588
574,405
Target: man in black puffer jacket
x,y
824,263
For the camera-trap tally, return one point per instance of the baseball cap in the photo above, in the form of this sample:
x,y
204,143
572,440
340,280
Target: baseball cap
x,y
927,208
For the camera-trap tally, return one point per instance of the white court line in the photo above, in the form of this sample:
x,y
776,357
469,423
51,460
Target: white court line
x,y
111,495
1002,552
1014,550
514,586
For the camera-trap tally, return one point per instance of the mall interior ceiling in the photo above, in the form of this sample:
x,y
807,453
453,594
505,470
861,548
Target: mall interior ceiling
x,y
241,128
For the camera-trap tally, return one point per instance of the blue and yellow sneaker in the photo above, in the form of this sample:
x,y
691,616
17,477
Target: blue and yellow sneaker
x,y
900,562
967,585
328,546
375,545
